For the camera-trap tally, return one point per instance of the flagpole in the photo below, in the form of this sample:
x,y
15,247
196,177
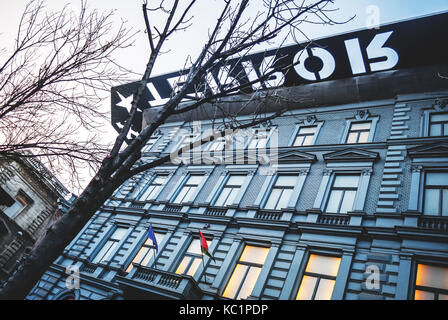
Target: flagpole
x,y
203,265
154,255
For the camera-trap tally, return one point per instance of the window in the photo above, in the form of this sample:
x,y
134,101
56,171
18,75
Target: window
x,y
431,283
281,192
359,132
188,189
230,190
191,138
436,194
438,124
319,278
305,136
107,249
192,258
342,193
246,272
146,252
149,144
20,202
260,139
154,188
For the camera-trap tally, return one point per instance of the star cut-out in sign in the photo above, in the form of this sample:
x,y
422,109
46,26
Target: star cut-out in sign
x,y
125,102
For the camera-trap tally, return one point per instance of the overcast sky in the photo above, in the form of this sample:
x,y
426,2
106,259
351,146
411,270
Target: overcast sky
x,y
135,58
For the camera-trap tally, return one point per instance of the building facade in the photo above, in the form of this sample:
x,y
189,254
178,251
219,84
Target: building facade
x,y
30,197
353,204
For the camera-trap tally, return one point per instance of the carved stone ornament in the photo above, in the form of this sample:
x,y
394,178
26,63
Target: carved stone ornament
x,y
309,120
361,114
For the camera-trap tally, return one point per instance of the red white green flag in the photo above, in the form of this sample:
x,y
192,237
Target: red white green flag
x,y
204,246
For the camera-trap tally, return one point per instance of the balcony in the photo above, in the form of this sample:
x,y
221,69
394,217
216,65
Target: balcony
x,y
148,283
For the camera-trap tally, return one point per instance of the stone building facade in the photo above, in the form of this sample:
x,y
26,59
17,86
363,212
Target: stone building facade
x,y
30,197
355,207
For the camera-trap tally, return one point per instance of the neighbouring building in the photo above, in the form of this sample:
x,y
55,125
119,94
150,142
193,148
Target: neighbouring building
x,y
30,198
352,205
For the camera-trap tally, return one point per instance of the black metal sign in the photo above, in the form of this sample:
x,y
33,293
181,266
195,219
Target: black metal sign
x,y
399,45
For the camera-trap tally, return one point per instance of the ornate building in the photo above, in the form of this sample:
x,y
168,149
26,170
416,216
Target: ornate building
x,y
353,203
30,197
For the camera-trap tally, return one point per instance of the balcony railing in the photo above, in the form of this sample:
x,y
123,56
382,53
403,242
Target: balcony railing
x,y
163,283
336,219
434,223
174,208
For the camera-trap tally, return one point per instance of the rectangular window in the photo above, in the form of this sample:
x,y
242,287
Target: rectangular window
x,y
431,283
192,258
146,252
435,198
359,132
281,192
110,245
230,190
246,272
154,188
189,188
305,136
259,140
319,278
342,193
20,202
438,124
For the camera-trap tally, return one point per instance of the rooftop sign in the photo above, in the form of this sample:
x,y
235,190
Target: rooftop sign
x,y
399,45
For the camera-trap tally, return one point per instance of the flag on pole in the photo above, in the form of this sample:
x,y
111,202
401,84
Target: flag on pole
x,y
204,246
152,236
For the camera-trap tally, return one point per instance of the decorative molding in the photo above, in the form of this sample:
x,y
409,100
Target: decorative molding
x,y
361,114
310,120
351,154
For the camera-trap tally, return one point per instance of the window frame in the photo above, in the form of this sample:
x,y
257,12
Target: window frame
x,y
184,185
113,249
299,126
193,257
253,136
224,186
413,280
366,118
273,186
143,244
20,197
439,187
344,189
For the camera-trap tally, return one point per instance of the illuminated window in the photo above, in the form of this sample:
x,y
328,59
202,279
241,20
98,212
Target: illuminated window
x,y
431,283
305,136
359,132
20,202
246,273
108,248
192,258
146,252
230,190
435,200
319,278
188,190
438,124
342,193
281,192
154,187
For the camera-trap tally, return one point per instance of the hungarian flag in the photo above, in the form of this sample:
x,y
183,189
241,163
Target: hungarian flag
x,y
204,246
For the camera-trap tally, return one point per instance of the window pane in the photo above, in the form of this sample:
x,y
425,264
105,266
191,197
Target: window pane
x,y
436,179
432,276
232,196
183,265
13,209
249,282
361,126
352,137
445,202
254,254
195,246
334,200
194,180
118,233
363,137
435,130
308,140
235,180
347,202
325,289
323,265
181,195
189,194
439,117
223,197
299,141
286,181
307,130
159,180
147,257
284,199
148,194
194,266
306,288
273,199
235,280
431,205
443,296
423,295
346,181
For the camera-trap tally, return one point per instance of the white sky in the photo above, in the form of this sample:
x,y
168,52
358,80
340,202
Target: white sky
x,y
135,58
